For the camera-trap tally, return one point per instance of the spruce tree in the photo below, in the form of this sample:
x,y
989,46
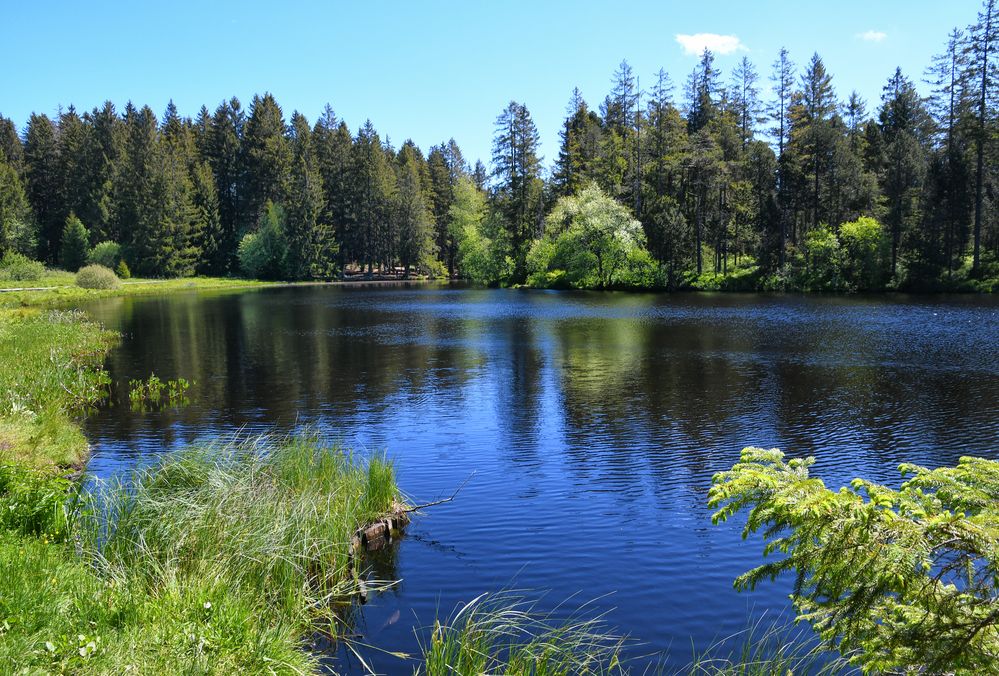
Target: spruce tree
x,y
516,168
14,213
267,155
75,244
416,244
41,167
308,238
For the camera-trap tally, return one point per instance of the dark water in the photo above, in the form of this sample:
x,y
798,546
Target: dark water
x,y
592,424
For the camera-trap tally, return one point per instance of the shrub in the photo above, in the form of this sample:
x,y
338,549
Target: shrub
x,y
122,270
75,246
107,254
19,268
96,277
865,252
264,254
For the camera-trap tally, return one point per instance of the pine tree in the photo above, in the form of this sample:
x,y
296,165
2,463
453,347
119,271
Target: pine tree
x,y
332,142
211,237
702,92
983,42
41,164
903,123
75,244
72,140
782,78
309,240
951,201
745,99
267,155
11,150
812,132
416,245
224,155
14,211
100,154
579,152
516,168
373,192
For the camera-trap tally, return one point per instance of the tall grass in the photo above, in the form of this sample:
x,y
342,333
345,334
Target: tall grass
x,y
223,557
765,650
504,634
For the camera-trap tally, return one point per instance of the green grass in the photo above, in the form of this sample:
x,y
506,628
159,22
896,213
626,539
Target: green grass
x,y
220,558
66,293
50,370
504,634
762,650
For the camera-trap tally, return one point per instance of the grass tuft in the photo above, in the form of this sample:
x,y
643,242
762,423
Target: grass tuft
x,y
503,633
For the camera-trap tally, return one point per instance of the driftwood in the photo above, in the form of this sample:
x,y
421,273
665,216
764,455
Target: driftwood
x,y
384,531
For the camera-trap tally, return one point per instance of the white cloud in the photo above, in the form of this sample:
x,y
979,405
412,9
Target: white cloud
x,y
872,36
718,44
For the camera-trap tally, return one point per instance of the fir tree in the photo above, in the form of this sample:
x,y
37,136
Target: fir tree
x,y
75,244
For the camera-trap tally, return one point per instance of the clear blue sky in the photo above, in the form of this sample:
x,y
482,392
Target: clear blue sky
x,y
433,70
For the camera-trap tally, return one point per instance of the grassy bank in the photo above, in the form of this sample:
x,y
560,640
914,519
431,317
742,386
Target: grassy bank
x,y
57,290
50,371
219,558
223,558
50,363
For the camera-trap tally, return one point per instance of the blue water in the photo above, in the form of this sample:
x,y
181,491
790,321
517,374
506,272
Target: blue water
x,y
587,426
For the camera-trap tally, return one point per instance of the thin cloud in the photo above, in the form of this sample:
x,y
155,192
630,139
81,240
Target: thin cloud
x,y
718,44
872,36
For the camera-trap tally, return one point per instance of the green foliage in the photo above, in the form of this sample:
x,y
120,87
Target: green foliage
x,y
822,260
17,267
33,502
219,559
264,254
154,393
122,270
107,254
865,252
483,244
96,277
14,212
75,244
590,241
897,580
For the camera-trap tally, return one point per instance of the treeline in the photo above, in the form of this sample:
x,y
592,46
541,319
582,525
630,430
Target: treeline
x,y
182,196
742,181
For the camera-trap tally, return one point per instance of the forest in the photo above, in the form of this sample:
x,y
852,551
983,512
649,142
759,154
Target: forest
x,y
742,180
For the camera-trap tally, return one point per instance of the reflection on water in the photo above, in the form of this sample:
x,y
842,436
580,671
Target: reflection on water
x,y
592,423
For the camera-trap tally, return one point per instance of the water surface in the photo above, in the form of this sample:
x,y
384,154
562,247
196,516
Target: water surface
x,y
590,424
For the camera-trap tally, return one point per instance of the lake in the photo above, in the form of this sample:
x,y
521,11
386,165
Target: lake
x,y
587,425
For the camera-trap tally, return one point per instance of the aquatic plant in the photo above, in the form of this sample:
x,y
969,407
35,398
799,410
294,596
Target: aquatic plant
x,y
504,633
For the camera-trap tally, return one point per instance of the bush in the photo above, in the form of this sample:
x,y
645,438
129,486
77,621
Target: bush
x,y
19,268
96,277
865,253
122,270
75,245
264,254
107,254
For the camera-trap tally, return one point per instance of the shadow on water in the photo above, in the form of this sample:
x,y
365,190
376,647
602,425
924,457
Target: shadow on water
x,y
592,423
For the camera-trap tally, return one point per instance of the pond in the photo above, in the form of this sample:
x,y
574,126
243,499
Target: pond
x,y
587,425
